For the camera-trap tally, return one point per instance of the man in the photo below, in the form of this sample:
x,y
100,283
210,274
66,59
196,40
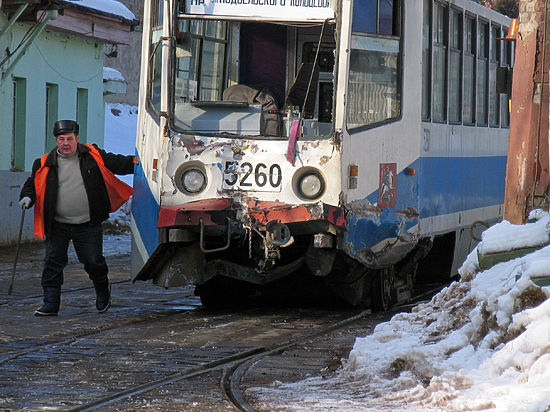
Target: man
x,y
73,189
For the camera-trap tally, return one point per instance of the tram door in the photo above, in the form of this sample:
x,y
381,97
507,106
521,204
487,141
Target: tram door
x,y
373,93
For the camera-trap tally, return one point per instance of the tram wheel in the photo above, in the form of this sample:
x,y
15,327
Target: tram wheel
x,y
382,289
223,292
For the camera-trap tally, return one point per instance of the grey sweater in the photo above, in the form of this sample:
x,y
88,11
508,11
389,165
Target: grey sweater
x,y
72,202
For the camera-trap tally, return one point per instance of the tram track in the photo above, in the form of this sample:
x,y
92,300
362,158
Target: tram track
x,y
232,376
11,355
146,351
6,357
233,367
64,292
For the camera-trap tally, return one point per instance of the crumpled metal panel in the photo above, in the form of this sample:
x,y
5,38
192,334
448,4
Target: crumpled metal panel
x,y
379,237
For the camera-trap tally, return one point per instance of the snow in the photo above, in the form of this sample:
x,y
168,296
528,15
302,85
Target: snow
x,y
120,138
110,74
509,237
120,132
483,343
108,6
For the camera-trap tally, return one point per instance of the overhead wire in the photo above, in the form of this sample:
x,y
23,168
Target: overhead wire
x,y
100,72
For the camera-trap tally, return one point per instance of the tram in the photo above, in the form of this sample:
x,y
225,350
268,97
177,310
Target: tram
x,y
347,142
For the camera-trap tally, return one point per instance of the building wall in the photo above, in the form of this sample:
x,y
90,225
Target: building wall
x,y
128,59
71,63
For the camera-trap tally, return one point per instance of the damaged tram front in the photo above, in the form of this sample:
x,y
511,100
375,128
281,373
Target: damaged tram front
x,y
270,136
242,165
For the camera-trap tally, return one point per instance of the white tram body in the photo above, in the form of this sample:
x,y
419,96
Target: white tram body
x,y
359,139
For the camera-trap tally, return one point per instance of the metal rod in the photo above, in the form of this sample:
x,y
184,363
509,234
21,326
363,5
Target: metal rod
x,y
17,250
37,31
14,18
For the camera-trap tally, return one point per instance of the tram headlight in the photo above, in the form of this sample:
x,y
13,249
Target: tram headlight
x,y
311,185
193,180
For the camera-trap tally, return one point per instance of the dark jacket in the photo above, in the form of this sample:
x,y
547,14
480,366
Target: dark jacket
x,y
93,182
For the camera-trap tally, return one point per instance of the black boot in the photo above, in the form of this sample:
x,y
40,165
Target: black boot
x,y
52,297
103,295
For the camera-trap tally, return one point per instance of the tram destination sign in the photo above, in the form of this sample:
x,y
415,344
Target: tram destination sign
x,y
290,10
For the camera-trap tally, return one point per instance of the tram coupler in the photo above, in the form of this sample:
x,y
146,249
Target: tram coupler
x,y
278,234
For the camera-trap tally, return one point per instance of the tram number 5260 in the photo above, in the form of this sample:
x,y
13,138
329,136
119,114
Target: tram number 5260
x,y
246,176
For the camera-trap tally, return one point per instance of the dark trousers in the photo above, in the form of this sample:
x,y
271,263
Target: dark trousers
x,y
88,243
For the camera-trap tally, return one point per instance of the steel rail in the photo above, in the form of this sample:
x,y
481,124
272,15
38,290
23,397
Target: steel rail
x,y
230,362
11,355
232,377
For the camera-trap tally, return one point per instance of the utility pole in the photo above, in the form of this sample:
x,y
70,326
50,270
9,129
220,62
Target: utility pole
x,y
527,175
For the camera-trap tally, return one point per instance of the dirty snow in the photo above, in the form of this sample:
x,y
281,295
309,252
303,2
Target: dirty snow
x,y
483,343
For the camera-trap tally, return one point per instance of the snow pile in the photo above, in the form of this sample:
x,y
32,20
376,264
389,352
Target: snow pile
x,y
120,138
481,343
120,132
505,236
113,7
110,74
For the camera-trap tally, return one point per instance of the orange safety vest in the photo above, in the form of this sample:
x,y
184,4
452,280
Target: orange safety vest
x,y
118,191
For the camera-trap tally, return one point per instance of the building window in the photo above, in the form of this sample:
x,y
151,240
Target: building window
x,y
374,88
469,70
439,106
455,67
82,114
19,118
482,71
52,104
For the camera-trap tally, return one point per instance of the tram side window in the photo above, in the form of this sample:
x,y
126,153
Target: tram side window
x,y
200,60
507,53
493,64
482,61
439,106
374,74
155,57
375,17
455,66
469,74
426,60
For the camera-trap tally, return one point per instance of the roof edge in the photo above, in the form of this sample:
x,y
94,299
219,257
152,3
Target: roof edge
x,y
79,7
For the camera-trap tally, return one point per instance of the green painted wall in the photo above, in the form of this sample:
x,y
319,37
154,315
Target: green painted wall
x,y
68,63
74,67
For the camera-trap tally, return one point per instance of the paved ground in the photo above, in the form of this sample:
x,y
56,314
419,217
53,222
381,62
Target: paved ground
x,y
77,312
58,362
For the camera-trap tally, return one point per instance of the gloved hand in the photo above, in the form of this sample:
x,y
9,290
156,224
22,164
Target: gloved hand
x,y
25,202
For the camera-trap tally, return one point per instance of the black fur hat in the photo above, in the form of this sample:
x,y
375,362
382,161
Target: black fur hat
x,y
64,127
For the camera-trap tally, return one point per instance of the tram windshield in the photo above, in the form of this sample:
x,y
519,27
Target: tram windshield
x,y
254,77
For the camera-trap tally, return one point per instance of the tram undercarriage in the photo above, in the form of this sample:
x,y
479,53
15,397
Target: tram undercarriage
x,y
237,253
